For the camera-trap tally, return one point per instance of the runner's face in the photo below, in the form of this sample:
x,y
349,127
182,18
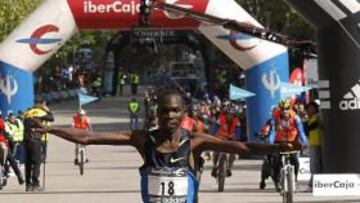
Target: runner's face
x,y
171,111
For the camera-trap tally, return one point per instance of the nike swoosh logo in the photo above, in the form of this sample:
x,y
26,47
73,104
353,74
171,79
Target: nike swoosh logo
x,y
172,160
182,142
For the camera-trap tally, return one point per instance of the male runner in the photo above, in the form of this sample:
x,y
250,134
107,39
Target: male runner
x,y
167,174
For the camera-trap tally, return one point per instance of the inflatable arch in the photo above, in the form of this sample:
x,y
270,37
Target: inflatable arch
x,y
56,21
338,37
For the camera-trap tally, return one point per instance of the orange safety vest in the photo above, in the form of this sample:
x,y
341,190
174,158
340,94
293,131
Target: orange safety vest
x,y
286,131
81,123
188,124
225,130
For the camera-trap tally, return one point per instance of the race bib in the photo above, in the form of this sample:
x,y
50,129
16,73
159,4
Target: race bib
x,y
168,186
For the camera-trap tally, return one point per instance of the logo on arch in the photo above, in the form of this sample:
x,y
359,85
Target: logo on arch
x,y
40,44
8,87
174,16
241,41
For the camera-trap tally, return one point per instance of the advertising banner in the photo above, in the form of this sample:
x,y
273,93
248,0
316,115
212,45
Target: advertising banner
x,y
304,169
336,185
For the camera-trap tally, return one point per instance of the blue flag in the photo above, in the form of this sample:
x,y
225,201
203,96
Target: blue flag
x,y
85,99
236,93
288,90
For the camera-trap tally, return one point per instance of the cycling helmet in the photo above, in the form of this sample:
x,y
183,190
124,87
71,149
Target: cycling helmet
x,y
285,104
82,112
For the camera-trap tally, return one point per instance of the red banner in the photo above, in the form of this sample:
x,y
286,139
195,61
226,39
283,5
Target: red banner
x,y
124,14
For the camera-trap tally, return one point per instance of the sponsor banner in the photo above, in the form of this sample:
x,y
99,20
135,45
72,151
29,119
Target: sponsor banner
x,y
264,79
16,89
39,36
304,169
311,72
124,14
351,99
243,49
336,185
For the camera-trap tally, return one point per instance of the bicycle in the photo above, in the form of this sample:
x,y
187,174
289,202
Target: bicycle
x,y
81,158
220,170
287,177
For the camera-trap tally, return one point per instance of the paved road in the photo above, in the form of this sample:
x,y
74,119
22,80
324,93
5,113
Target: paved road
x,y
112,173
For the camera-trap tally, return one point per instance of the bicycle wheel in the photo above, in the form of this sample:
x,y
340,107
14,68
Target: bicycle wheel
x,y
289,181
82,161
221,173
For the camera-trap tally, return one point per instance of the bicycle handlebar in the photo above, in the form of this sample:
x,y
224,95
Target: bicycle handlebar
x,y
289,152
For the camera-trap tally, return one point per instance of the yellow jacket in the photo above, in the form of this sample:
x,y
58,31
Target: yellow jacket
x,y
315,132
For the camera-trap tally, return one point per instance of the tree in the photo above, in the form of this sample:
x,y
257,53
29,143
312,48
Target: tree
x,y
276,15
12,12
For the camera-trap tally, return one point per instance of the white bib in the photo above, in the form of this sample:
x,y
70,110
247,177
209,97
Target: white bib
x,y
161,186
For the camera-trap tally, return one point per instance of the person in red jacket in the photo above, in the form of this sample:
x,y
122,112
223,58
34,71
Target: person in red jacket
x,y
3,144
227,127
80,121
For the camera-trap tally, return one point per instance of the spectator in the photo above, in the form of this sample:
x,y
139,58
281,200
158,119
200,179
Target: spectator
x,y
315,139
134,81
134,108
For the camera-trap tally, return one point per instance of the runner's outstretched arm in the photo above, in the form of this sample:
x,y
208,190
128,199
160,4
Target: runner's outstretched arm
x,y
207,142
127,137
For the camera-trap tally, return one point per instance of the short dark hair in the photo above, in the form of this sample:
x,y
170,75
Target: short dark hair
x,y
164,93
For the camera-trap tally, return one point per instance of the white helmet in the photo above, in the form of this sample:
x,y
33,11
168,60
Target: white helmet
x,y
82,112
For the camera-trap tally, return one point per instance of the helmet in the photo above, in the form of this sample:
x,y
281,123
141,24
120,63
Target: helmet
x,y
285,104
82,112
35,113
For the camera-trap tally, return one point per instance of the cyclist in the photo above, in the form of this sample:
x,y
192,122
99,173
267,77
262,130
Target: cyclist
x,y
287,129
80,121
167,173
227,127
191,122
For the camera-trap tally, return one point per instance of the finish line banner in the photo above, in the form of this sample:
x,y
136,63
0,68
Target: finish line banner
x,y
336,185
